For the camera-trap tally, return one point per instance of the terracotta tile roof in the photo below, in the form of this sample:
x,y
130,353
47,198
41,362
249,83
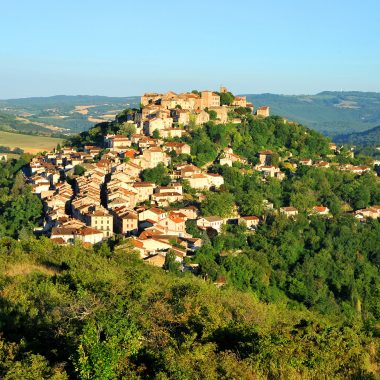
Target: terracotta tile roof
x,y
168,194
320,208
157,210
288,209
250,217
58,240
213,218
89,231
137,243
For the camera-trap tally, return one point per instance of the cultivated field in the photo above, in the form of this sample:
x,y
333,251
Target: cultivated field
x,y
30,144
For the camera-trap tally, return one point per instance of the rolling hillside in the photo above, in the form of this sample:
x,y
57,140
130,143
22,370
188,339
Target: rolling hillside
x,y
332,113
11,123
61,113
368,137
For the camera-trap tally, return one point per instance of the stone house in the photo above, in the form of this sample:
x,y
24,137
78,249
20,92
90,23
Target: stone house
x,y
179,148
209,99
101,220
250,221
240,101
214,222
125,220
289,211
263,111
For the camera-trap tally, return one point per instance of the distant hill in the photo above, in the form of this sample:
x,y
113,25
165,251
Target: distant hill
x,y
11,123
66,101
369,137
65,114
332,113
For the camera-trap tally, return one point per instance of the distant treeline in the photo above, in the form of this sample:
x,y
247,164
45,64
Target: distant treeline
x,y
369,137
7,149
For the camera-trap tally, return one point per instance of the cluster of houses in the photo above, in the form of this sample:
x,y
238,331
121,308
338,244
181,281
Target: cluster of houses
x,y
315,210
168,114
108,196
355,169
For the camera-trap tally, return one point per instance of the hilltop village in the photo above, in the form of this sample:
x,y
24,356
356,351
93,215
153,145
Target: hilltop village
x,y
145,178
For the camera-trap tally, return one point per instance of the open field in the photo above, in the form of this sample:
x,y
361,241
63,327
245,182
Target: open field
x,y
30,144
83,110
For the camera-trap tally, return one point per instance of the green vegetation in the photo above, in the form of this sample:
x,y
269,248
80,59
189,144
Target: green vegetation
x,y
329,266
226,98
254,135
370,137
127,129
79,170
70,312
10,123
156,134
220,204
158,175
20,210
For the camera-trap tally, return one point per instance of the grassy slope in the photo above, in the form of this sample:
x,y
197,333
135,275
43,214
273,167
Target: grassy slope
x,y
30,144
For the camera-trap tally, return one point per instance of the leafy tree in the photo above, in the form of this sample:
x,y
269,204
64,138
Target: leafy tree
x,y
79,170
226,98
156,134
220,204
158,175
127,129
171,264
192,229
213,114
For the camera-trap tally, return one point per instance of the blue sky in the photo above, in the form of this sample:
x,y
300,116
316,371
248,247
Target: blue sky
x,y
124,48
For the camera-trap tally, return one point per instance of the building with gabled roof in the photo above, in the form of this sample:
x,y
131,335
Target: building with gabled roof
x,y
263,111
214,222
289,211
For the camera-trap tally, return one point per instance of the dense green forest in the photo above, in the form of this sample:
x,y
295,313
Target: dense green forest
x,y
253,135
368,137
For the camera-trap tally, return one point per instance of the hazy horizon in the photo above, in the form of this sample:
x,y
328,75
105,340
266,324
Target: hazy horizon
x,y
163,91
